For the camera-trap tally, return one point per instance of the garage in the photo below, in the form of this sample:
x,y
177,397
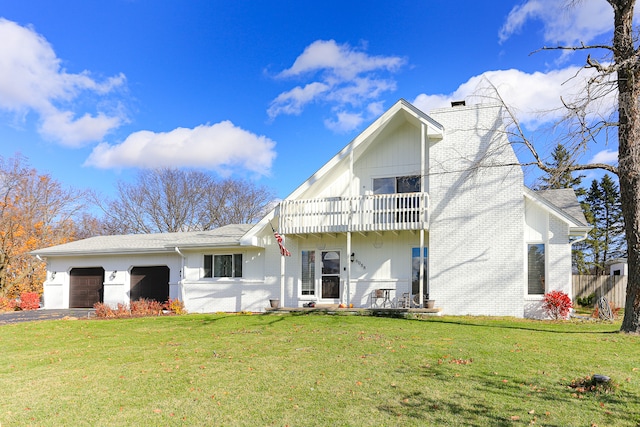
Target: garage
x,y
86,287
150,283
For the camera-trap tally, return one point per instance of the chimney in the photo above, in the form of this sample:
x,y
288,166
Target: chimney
x,y
458,104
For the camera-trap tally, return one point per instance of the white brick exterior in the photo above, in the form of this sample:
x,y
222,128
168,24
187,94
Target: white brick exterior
x,y
476,230
479,223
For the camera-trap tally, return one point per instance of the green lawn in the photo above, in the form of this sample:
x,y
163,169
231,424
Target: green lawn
x,y
324,370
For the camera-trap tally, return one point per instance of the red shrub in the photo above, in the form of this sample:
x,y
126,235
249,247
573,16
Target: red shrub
x,y
103,310
145,307
29,301
557,304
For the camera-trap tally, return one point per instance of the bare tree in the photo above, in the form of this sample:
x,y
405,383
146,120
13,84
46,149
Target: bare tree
x,y
172,200
588,120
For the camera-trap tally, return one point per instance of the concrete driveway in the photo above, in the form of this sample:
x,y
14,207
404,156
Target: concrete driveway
x,y
34,315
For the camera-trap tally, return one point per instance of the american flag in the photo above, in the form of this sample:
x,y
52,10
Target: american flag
x,y
283,250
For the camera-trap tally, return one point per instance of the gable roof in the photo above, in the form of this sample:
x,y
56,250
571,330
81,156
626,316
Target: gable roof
x,y
562,203
565,199
401,111
227,236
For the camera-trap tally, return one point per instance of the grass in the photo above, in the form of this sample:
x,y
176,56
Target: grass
x,y
315,370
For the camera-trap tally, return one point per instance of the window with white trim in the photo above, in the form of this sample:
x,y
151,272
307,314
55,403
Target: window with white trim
x,y
535,269
225,265
308,275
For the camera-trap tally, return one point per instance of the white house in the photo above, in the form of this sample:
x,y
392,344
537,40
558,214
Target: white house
x,y
427,205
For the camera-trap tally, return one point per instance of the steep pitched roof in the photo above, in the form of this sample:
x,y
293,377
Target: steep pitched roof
x,y
401,111
565,199
562,203
227,236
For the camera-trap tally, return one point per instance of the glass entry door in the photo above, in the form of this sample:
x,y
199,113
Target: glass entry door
x,y
330,275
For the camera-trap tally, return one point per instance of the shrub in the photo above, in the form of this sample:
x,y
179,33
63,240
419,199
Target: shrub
x,y
557,304
29,301
8,304
587,301
103,311
615,311
175,306
145,307
122,310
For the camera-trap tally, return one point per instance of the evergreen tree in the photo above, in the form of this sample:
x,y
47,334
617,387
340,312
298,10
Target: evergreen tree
x,y
603,212
559,174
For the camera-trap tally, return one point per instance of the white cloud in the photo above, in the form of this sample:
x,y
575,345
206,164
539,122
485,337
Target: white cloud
x,y
535,98
605,156
294,101
33,80
340,75
342,61
344,122
219,147
562,23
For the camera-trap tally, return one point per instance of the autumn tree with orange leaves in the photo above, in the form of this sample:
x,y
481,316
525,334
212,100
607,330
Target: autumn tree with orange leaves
x,y
35,212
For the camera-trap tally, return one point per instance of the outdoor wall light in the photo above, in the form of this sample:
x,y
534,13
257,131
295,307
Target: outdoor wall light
x,y
113,274
353,256
53,275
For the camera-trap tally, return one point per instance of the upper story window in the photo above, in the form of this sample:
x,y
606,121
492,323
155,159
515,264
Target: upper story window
x,y
399,184
228,265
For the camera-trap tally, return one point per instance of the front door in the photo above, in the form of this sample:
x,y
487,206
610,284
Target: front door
x,y
330,275
320,278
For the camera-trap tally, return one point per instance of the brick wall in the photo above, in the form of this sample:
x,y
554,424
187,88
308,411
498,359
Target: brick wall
x,y
477,218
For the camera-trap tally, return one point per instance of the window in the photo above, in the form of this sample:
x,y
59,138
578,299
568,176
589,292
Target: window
x,y
308,272
415,271
405,208
223,265
536,269
400,184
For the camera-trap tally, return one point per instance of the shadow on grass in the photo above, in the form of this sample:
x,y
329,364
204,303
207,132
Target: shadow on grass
x,y
514,324
504,401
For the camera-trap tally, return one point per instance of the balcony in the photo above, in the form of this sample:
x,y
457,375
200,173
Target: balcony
x,y
379,212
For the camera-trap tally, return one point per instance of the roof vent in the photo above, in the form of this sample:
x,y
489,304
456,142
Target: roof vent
x,y
458,103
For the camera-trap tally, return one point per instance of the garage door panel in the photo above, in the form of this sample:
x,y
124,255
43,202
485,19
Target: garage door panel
x,y
86,287
150,283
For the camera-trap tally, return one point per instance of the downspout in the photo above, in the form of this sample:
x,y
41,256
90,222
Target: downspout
x,y
423,182
180,282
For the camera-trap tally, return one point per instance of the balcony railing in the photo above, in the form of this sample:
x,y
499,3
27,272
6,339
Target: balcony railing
x,y
379,212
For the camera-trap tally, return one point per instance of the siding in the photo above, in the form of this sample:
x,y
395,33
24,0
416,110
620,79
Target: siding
x,y
477,220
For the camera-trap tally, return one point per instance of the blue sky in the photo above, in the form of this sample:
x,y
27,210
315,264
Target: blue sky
x,y
91,91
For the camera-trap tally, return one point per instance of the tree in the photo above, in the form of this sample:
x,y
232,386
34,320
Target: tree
x,y
618,71
35,211
558,175
606,238
173,200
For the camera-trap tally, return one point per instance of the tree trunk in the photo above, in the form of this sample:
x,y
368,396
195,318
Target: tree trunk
x,y
629,152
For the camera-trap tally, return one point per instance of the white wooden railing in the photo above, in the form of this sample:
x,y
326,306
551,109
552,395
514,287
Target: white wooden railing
x,y
379,212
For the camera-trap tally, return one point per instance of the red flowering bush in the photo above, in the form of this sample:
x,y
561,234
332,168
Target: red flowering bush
x,y
29,301
557,304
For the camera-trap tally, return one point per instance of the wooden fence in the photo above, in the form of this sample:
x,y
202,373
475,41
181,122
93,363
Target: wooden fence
x,y
614,288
